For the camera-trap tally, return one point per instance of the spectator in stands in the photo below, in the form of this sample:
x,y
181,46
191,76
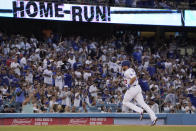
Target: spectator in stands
x,y
59,80
20,97
83,109
154,106
48,75
93,90
77,98
192,97
190,109
15,66
163,4
66,97
167,108
137,55
171,97
6,109
143,81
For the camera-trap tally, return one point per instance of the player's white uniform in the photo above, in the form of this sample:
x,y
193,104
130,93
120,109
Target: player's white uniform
x,y
135,92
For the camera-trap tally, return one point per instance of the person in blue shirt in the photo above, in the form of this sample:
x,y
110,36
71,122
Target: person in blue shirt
x,y
151,70
137,55
192,98
144,83
75,46
77,64
20,97
106,95
68,79
4,78
15,80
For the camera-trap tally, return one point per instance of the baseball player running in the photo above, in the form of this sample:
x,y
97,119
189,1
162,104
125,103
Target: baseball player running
x,y
134,91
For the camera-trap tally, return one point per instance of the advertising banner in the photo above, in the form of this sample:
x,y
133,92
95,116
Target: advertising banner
x,y
56,121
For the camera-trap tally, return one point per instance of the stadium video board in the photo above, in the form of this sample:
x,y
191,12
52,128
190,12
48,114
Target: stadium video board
x,y
6,8
190,18
89,13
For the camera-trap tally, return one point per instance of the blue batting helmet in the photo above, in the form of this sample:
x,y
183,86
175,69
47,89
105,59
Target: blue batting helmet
x,y
126,63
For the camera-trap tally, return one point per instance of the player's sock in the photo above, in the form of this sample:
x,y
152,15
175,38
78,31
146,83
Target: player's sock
x,y
154,122
141,115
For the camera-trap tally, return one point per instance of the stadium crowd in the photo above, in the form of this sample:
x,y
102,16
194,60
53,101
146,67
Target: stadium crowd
x,y
81,74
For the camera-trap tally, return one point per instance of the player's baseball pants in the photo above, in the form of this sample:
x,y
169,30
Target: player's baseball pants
x,y
135,92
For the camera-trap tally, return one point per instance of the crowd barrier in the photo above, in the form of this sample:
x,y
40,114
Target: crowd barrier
x,y
94,119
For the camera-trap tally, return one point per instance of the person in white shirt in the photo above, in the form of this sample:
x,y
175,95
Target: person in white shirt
x,y
29,77
177,83
48,76
78,82
103,57
168,107
15,65
7,49
93,45
59,81
86,98
21,44
190,109
114,66
193,87
171,97
35,57
40,68
93,90
66,96
23,61
17,44
59,63
154,107
88,61
77,99
182,107
154,85
4,90
78,73
27,45
72,60
86,74
34,41
168,64
51,103
45,63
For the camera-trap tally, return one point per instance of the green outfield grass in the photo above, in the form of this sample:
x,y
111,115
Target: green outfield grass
x,y
97,128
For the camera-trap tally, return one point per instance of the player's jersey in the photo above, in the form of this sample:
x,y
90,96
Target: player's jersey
x,y
128,75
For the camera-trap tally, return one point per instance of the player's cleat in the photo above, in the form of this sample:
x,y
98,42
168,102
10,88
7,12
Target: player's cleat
x,y
141,115
154,122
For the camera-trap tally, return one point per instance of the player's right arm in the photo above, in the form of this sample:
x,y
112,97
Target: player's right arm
x,y
132,80
132,76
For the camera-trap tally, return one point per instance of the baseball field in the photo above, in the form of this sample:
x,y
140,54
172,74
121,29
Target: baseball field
x,y
97,128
